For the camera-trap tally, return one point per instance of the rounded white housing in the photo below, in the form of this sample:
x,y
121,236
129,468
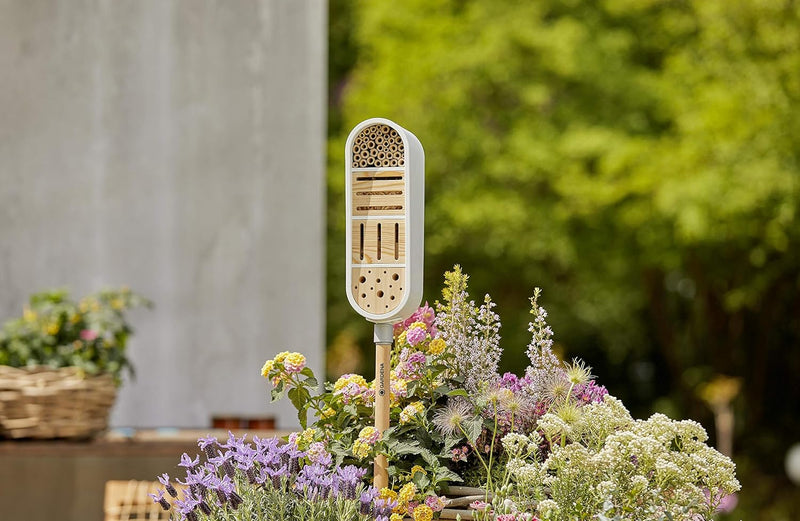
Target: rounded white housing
x,y
385,192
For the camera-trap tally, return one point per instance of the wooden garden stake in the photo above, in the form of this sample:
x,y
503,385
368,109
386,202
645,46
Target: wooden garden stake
x,y
385,203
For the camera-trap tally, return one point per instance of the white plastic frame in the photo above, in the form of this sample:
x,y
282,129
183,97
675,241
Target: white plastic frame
x,y
414,216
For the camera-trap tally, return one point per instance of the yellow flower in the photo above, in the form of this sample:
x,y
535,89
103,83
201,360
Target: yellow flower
x,y
387,493
307,436
360,449
396,517
28,315
268,366
327,413
423,513
117,303
346,379
410,411
294,363
369,435
401,339
437,346
280,357
407,493
417,468
52,328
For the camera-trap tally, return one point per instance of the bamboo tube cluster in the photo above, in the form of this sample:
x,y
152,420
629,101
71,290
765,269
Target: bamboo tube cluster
x,y
378,146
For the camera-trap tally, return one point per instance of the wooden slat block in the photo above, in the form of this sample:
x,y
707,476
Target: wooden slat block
x,y
366,241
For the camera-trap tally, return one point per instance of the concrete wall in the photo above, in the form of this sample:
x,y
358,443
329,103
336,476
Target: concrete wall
x,y
176,147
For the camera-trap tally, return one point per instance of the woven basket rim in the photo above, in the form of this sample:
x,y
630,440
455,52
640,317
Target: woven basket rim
x,y
47,402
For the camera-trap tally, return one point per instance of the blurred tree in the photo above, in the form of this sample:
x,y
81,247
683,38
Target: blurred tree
x,y
637,159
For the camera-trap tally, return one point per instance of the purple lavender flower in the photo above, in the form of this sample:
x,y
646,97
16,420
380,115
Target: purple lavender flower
x,y
158,497
207,445
383,507
223,487
186,507
188,462
234,442
366,499
275,475
164,479
348,479
223,461
265,444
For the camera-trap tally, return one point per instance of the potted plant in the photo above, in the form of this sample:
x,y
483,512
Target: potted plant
x,y
61,363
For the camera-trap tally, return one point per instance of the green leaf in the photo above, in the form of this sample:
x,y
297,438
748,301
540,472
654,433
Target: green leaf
x,y
302,417
275,395
473,429
403,448
458,392
445,474
430,458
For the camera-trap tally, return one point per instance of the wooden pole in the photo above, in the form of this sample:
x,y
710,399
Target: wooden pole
x,y
383,364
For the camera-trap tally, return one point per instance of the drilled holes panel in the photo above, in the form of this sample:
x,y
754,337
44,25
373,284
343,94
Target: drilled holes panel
x,y
378,290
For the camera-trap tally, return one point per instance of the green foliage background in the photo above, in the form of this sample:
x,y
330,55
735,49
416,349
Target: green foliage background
x,y
637,159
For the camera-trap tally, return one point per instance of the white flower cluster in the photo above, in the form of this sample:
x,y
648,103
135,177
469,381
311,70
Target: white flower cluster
x,y
606,463
471,333
545,366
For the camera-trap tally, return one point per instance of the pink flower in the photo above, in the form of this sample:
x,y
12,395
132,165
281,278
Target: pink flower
x,y
416,335
436,503
88,335
506,517
479,505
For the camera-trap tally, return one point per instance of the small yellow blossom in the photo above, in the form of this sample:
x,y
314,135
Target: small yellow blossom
x,y
410,411
327,413
401,339
417,468
369,435
280,357
53,328
117,303
407,493
423,513
387,493
268,366
28,315
346,379
396,517
307,436
360,449
294,362
437,346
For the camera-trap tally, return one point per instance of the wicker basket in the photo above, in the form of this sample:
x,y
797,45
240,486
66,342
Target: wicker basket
x,y
40,402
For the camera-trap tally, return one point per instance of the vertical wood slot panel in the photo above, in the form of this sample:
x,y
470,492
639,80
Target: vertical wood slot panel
x,y
396,241
361,245
379,241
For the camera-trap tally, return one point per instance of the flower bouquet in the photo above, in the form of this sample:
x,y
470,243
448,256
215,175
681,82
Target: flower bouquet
x,y
61,362
549,444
